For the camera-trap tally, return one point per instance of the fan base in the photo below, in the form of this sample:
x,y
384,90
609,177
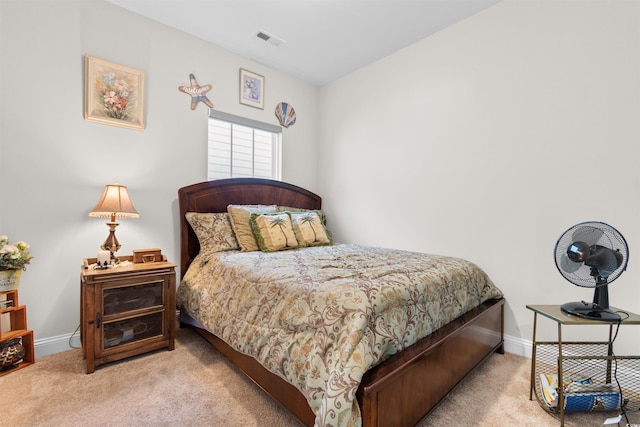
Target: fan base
x,y
591,311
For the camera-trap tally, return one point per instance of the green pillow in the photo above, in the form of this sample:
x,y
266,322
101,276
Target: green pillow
x,y
274,231
309,228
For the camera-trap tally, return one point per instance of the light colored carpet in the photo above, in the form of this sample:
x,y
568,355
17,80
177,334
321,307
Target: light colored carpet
x,y
195,386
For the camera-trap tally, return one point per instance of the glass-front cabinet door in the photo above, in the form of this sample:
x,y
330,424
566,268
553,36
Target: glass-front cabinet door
x,y
131,313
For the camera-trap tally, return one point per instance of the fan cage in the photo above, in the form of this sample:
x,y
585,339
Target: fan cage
x,y
610,238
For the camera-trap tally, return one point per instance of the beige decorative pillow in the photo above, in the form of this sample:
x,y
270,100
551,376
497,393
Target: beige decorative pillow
x,y
214,232
292,210
241,222
309,229
274,231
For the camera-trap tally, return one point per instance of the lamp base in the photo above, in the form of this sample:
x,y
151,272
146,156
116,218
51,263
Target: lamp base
x,y
111,243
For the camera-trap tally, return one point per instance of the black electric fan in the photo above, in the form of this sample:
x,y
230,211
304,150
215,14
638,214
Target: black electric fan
x,y
592,255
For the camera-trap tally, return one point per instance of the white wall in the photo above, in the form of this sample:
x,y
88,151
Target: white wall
x,y
486,140
54,165
490,139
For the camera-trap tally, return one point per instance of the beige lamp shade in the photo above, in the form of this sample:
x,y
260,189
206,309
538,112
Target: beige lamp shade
x,y
114,202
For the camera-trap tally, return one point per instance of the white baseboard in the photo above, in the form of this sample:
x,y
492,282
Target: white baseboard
x,y
46,346
518,346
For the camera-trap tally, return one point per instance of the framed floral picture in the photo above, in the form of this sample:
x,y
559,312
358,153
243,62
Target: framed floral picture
x,y
113,94
251,89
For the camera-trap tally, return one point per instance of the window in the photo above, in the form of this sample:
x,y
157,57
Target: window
x,y
240,147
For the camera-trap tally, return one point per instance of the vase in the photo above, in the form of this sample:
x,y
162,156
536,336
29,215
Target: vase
x,y
9,280
11,353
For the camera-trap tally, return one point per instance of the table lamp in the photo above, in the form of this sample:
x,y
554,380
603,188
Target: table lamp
x,y
114,203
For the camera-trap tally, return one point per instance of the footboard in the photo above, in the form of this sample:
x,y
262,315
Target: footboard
x,y
407,387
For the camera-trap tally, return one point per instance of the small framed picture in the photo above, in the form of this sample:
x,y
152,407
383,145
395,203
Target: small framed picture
x,y
251,89
113,94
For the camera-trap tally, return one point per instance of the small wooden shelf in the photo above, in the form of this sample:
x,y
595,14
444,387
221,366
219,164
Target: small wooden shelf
x,y
18,329
14,334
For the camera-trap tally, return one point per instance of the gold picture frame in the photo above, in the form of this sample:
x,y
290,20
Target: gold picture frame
x,y
251,89
114,94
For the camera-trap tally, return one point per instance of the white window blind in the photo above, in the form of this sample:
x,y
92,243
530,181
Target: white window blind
x,y
240,147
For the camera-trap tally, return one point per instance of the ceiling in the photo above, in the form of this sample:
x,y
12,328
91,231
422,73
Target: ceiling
x,y
321,40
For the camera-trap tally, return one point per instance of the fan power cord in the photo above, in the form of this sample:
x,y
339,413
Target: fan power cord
x,y
623,405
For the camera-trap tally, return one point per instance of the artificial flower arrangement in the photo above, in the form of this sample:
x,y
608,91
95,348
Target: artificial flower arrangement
x,y
13,256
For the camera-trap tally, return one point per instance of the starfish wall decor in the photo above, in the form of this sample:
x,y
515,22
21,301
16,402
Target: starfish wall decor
x,y
197,92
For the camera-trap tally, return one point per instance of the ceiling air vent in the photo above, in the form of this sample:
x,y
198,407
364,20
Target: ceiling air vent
x,y
270,38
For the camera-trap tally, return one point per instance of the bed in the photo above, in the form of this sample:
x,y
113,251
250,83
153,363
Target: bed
x,y
401,386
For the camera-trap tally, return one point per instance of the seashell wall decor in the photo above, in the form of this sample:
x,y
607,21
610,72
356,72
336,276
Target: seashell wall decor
x,y
286,114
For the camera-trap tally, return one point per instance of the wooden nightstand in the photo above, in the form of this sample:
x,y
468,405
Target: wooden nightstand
x,y
126,310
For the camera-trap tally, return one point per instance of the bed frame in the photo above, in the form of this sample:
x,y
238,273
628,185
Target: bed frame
x,y
398,392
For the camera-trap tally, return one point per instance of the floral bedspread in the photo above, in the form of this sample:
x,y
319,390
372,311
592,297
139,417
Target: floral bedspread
x,y
320,317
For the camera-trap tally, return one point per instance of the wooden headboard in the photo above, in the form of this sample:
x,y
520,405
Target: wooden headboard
x,y
215,196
